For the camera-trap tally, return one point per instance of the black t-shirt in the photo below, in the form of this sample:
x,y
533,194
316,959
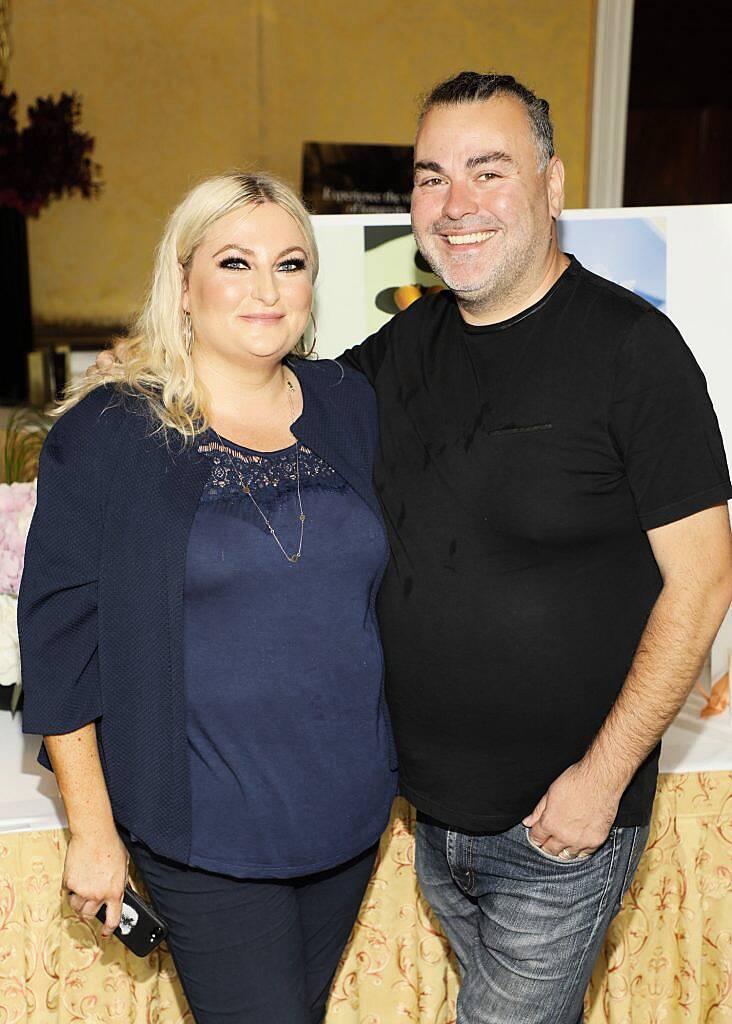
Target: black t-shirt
x,y
520,465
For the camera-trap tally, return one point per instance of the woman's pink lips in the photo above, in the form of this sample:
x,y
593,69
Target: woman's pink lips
x,y
263,318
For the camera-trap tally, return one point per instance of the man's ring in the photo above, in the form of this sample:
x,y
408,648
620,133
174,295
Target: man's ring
x,y
565,854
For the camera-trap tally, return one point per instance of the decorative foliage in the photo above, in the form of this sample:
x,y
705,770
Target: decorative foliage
x,y
24,436
46,159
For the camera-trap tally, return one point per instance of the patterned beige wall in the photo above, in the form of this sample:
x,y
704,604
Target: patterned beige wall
x,y
176,89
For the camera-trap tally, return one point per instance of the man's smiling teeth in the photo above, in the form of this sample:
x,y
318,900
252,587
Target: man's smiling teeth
x,y
479,236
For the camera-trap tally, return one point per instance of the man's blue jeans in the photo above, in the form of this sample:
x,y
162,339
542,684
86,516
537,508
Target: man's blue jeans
x,y
526,926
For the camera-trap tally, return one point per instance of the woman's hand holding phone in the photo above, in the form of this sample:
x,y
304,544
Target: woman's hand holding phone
x,y
95,873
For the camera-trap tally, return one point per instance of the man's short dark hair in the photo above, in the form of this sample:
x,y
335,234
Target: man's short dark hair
x,y
472,87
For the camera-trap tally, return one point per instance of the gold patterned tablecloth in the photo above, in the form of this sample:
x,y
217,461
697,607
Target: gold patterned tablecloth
x,y
667,957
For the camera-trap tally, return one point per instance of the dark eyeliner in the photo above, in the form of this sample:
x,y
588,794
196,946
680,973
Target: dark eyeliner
x,y
229,260
296,262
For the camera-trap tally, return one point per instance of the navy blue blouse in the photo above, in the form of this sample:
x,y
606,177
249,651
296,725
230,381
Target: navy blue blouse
x,y
101,609
288,750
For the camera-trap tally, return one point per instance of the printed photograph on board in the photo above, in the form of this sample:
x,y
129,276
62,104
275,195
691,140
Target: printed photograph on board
x,y
629,251
395,273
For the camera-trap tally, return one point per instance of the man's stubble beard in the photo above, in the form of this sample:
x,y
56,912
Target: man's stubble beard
x,y
503,281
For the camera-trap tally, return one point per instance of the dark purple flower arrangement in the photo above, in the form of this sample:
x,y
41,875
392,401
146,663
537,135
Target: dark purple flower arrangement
x,y
48,158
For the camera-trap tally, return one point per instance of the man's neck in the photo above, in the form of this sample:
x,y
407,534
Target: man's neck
x,y
510,306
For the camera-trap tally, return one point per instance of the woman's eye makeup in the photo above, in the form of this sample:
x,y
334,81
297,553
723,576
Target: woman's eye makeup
x,y
290,266
233,262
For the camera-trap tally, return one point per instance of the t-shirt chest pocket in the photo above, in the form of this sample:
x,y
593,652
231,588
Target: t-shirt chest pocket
x,y
517,460
513,428
518,453
516,445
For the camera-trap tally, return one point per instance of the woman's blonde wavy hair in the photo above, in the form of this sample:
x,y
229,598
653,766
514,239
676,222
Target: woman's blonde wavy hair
x,y
153,362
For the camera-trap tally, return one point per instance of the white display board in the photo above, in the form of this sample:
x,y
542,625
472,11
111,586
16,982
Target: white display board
x,y
29,798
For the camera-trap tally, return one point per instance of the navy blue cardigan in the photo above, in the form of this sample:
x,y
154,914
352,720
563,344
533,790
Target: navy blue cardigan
x,y
101,600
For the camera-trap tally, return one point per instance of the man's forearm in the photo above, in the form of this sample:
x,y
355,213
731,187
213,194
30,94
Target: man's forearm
x,y
671,652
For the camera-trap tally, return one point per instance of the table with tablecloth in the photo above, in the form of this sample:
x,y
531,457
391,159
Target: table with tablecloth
x,y
667,957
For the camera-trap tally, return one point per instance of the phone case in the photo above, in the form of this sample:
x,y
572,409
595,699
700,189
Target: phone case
x,y
140,928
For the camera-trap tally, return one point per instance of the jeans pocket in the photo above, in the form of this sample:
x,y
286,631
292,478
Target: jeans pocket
x,y
565,861
637,846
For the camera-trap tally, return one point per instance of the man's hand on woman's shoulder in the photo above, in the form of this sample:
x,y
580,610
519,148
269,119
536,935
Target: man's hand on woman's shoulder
x,y
105,361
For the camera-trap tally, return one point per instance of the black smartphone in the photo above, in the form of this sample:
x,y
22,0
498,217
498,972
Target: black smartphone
x,y
140,928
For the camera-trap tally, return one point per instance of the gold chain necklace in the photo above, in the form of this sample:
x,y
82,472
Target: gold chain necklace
x,y
246,487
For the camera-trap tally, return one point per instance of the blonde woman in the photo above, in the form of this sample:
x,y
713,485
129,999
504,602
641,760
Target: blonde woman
x,y
197,620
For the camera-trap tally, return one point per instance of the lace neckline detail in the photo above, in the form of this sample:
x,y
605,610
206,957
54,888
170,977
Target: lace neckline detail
x,y
269,475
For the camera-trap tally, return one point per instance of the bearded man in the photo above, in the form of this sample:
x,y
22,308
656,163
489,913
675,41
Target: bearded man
x,y
555,487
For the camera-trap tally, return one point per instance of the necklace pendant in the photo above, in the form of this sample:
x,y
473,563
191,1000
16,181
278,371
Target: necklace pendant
x,y
247,489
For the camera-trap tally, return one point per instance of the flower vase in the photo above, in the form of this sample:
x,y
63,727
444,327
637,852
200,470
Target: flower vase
x,y
16,333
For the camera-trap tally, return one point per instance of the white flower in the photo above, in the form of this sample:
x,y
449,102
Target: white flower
x,y
9,649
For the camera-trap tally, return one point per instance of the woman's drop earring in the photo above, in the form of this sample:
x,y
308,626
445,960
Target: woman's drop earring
x,y
187,333
315,335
